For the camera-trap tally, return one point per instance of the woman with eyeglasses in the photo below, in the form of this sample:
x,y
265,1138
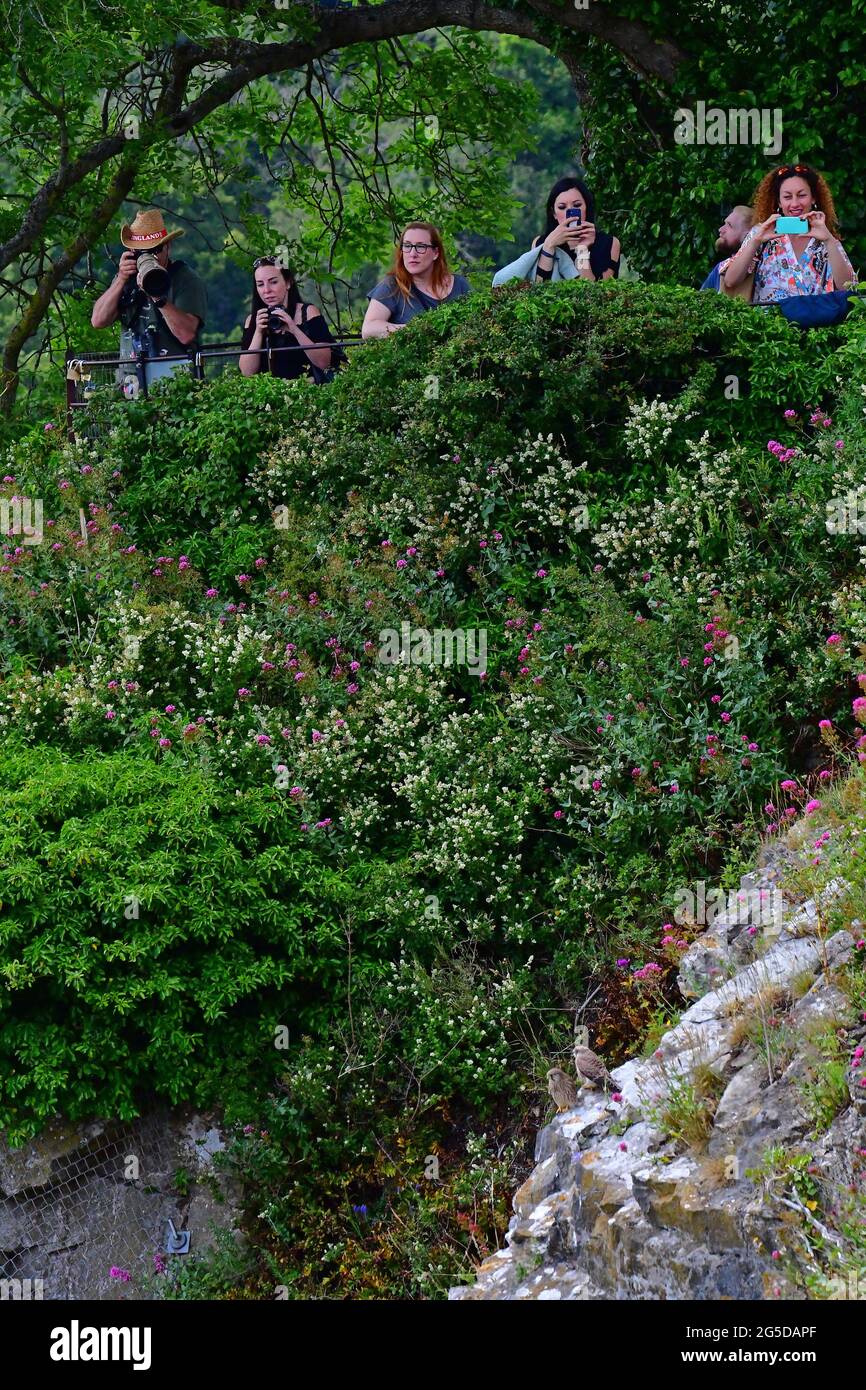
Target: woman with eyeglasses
x,y
810,260
279,318
419,279
571,246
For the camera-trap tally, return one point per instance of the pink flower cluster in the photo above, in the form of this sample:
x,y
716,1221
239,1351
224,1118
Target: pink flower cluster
x,y
782,454
647,971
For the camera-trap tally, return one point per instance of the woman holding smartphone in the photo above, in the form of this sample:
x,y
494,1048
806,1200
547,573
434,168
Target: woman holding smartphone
x,y
794,247
571,245
280,318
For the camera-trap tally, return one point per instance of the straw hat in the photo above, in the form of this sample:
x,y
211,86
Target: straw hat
x,y
147,232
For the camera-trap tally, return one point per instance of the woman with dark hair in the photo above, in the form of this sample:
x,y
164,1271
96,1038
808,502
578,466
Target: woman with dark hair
x,y
571,246
280,318
782,264
419,279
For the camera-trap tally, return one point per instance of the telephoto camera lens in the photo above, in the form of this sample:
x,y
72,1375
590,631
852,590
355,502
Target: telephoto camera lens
x,y
152,278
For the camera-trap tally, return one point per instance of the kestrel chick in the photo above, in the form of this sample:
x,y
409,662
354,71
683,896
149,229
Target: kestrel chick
x,y
591,1069
562,1089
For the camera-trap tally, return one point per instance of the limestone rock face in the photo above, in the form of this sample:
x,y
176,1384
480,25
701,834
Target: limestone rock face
x,y
618,1208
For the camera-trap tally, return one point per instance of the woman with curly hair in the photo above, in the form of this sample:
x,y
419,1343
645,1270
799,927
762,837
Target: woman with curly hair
x,y
783,265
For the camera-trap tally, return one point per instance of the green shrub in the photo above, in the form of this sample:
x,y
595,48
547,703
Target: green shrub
x,y
410,869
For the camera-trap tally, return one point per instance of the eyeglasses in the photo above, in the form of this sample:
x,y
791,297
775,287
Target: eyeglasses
x,y
792,169
267,260
417,246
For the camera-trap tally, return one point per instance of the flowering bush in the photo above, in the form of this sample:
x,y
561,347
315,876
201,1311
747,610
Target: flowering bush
x,y
231,815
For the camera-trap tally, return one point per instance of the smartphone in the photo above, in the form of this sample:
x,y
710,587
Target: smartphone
x,y
574,215
794,226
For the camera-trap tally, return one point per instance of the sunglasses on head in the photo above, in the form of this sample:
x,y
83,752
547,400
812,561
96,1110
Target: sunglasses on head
x,y
268,260
793,169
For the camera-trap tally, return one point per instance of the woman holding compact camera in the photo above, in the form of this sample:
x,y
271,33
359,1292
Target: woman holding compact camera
x,y
571,245
279,318
793,248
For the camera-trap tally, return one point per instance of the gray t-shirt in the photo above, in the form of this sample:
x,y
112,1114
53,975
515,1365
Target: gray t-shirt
x,y
403,310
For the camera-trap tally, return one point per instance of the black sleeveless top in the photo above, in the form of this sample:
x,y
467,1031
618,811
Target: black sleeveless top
x,y
294,364
600,258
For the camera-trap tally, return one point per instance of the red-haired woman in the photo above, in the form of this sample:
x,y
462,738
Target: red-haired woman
x,y
419,279
813,262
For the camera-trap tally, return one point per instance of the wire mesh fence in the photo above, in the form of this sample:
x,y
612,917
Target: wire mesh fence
x,y
95,1211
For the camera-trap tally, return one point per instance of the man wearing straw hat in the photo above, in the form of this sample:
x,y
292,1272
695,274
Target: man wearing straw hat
x,y
162,315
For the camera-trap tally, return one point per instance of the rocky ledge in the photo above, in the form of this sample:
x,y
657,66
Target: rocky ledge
x,y
622,1205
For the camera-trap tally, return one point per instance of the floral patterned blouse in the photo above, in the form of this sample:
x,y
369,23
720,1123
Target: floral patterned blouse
x,y
780,275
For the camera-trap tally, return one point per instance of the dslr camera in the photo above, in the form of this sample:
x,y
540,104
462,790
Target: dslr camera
x,y
151,279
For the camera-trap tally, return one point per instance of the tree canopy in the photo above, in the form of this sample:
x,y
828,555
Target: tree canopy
x,y
362,114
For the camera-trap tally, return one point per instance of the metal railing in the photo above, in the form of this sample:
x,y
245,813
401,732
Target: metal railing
x,y
87,372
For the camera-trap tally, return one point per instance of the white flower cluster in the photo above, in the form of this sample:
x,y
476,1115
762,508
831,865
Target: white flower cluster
x,y
650,424
538,481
